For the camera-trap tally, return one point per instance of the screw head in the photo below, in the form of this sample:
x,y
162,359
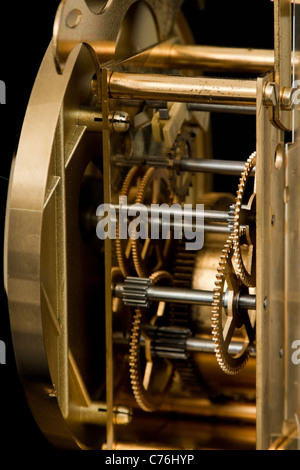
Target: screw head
x,y
271,93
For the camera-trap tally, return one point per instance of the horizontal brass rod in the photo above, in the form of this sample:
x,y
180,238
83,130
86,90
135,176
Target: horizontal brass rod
x,y
182,89
210,58
198,57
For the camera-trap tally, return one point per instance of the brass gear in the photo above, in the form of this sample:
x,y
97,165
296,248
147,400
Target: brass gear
x,y
141,248
181,316
236,321
182,180
147,396
123,247
247,276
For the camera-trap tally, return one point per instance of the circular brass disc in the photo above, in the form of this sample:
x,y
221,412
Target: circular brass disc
x,y
46,258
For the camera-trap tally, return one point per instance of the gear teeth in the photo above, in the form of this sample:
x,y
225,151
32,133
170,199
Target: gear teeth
x,y
134,364
152,173
119,249
247,278
144,400
231,217
141,271
135,292
227,363
181,181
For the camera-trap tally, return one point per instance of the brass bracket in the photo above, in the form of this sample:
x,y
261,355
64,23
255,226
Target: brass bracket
x,y
280,96
282,117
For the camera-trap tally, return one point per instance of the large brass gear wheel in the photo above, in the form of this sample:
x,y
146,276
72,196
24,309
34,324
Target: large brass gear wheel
x,y
149,386
124,246
149,255
246,274
230,321
182,180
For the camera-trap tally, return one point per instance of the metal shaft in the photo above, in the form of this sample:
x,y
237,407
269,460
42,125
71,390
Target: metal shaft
x,y
221,167
182,89
177,218
182,295
212,58
223,108
213,108
193,344
201,165
192,221
208,346
208,58
175,210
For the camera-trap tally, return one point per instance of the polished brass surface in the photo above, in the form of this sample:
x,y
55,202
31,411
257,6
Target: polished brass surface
x,y
208,58
128,343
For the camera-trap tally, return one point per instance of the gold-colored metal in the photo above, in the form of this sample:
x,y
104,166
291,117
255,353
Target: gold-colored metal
x,y
78,22
224,330
246,274
270,184
170,55
210,58
150,255
34,288
147,393
92,120
124,247
114,113
282,51
182,89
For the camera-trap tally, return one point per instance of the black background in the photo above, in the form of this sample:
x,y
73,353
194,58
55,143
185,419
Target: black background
x,y
26,29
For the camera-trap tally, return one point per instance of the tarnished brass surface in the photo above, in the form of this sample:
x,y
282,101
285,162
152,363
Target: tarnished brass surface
x,y
182,89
